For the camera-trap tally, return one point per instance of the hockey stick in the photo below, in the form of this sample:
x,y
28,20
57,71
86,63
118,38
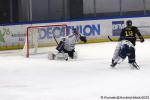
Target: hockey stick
x,y
114,40
109,38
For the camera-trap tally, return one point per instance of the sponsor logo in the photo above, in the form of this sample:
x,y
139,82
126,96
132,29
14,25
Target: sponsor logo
x,y
50,32
116,27
87,30
2,37
7,33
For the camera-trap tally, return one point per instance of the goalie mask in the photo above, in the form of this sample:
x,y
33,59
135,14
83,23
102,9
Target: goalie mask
x,y
75,31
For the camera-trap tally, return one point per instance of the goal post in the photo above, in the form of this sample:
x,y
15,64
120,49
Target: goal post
x,y
43,36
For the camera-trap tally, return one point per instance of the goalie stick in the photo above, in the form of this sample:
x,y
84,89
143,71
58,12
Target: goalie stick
x,y
55,39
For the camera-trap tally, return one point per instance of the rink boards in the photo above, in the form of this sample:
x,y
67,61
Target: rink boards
x,y
96,30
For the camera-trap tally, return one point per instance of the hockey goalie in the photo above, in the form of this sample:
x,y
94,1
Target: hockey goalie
x,y
66,47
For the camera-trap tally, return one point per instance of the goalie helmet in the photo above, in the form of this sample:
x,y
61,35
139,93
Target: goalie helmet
x,y
75,31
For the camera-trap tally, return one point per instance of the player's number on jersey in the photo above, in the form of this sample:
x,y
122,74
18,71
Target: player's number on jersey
x,y
129,33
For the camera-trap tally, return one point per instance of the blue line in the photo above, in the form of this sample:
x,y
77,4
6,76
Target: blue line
x,y
83,19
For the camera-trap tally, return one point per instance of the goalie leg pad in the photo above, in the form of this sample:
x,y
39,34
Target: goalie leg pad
x,y
61,56
51,56
58,56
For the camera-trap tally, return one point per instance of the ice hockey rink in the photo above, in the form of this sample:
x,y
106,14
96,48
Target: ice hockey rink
x,y
87,78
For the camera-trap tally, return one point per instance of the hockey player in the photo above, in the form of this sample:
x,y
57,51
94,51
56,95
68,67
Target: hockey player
x,y
130,32
124,49
66,47
126,45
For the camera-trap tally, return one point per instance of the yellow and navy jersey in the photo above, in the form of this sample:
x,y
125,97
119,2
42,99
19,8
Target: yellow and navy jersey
x,y
130,33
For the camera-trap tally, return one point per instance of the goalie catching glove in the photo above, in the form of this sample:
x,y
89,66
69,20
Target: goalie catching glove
x,y
83,38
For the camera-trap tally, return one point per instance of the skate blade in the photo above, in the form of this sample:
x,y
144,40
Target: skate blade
x,y
137,68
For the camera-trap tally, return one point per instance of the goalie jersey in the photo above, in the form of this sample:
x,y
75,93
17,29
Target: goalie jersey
x,y
70,41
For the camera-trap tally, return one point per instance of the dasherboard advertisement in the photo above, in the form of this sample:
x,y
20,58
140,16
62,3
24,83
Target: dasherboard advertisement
x,y
14,36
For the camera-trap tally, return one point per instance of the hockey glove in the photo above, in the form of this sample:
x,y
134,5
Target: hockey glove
x,y
60,46
83,38
141,39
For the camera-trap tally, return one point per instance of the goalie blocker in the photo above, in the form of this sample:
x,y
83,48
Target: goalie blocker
x,y
66,47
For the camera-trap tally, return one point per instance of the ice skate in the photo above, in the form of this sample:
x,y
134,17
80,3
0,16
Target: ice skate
x,y
134,65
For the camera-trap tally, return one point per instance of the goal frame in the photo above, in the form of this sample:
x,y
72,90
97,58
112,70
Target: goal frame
x,y
27,34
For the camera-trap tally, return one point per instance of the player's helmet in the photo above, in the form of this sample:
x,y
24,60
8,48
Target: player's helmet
x,y
129,23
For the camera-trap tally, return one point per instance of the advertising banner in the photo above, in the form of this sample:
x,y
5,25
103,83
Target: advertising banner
x,y
13,36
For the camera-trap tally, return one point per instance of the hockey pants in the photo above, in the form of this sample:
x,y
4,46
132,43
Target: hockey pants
x,y
127,51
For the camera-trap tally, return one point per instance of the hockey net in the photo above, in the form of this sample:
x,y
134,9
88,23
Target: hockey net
x,y
42,36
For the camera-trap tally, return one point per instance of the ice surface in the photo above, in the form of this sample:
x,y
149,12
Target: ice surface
x,y
87,78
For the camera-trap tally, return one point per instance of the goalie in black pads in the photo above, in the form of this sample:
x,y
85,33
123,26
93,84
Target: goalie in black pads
x,y
66,47
126,45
